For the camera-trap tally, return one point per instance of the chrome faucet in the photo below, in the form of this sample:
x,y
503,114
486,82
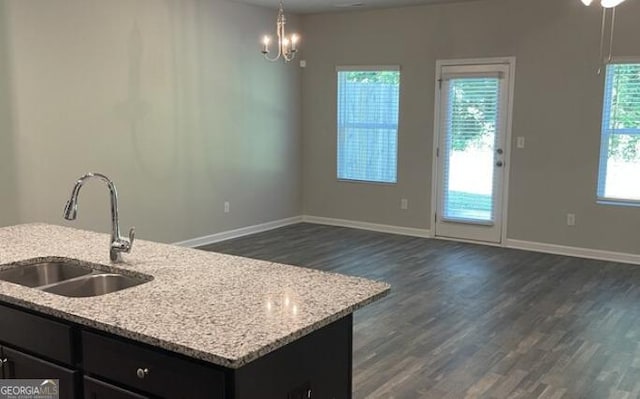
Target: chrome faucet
x,y
118,244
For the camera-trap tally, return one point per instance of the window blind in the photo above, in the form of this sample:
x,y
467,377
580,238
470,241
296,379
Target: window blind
x,y
619,174
368,109
471,121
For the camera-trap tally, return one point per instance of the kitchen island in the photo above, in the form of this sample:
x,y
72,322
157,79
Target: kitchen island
x,y
202,324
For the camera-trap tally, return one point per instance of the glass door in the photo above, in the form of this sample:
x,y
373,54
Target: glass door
x,y
471,151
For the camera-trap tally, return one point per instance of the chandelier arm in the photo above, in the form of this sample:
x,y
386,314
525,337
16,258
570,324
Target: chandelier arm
x,y
279,35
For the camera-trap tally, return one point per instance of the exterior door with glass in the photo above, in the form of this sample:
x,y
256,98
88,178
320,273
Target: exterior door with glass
x,y
472,128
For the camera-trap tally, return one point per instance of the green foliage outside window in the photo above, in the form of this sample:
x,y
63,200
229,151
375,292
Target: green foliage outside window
x,y
387,77
625,112
473,111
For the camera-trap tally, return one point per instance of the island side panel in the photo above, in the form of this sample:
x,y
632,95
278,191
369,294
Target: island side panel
x,y
320,361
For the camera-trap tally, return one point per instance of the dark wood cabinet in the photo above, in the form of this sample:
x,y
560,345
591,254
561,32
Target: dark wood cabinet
x,y
96,365
42,336
95,389
22,366
3,363
149,370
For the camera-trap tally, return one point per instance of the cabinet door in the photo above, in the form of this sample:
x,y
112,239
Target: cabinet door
x,y
94,389
149,370
22,366
3,363
45,337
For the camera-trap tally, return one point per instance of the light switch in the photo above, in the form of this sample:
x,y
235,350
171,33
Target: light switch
x,y
520,142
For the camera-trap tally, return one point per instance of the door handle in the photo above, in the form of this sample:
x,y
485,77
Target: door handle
x,y
499,164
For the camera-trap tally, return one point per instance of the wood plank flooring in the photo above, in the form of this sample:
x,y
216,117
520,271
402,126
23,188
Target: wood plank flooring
x,y
470,321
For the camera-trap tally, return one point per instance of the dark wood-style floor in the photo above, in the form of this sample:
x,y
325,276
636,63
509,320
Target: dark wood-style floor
x,y
466,320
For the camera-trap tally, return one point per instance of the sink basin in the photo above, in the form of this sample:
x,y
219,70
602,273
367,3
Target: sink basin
x,y
94,285
67,277
40,274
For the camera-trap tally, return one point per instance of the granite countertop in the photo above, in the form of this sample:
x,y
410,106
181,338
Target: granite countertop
x,y
223,309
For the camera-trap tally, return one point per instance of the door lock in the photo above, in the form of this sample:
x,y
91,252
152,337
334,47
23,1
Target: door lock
x,y
499,164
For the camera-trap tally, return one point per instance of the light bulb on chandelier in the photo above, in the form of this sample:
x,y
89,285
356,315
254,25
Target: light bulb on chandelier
x,y
287,45
604,3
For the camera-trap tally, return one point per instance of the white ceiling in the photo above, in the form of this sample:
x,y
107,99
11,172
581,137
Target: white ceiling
x,y
311,6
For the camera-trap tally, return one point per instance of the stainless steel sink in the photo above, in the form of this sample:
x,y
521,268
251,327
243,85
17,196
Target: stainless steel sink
x,y
68,278
94,285
46,273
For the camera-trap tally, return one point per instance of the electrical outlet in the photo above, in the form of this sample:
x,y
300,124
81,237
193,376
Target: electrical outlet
x,y
226,207
520,142
404,204
571,219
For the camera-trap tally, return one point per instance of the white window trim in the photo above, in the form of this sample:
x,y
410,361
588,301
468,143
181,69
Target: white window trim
x,y
373,68
366,68
605,144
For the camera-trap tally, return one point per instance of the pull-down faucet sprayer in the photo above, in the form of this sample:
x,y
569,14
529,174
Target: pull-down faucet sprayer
x,y
118,244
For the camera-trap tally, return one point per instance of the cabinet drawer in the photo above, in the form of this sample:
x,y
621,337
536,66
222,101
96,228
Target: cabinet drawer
x,y
166,376
36,334
22,366
94,389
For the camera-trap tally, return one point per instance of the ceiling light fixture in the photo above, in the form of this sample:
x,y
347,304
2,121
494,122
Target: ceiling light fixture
x,y
610,3
286,45
606,5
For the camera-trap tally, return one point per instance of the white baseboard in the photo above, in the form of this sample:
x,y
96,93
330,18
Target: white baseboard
x,y
241,232
509,243
574,251
382,228
413,232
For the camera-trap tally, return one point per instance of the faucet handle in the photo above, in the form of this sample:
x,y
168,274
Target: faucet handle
x,y
132,236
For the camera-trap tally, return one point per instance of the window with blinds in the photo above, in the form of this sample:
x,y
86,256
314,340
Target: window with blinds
x,y
368,109
619,175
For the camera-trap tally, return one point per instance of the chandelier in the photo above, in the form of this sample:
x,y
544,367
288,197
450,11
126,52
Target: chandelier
x,y
286,45
606,5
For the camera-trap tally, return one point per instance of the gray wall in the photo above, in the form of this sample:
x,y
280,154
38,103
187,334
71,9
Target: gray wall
x,y
8,188
557,107
171,99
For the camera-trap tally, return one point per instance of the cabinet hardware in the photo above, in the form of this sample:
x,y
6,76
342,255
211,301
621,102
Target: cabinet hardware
x,y
142,373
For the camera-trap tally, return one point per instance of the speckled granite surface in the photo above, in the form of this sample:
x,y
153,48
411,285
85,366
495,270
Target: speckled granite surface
x,y
219,308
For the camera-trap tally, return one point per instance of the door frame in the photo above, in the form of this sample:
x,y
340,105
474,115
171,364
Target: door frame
x,y
511,62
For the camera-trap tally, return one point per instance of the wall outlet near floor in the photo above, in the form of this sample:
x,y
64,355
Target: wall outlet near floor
x,y
571,219
404,204
520,142
226,207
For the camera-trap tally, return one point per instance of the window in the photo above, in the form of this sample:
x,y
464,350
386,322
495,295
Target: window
x,y
368,107
619,176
